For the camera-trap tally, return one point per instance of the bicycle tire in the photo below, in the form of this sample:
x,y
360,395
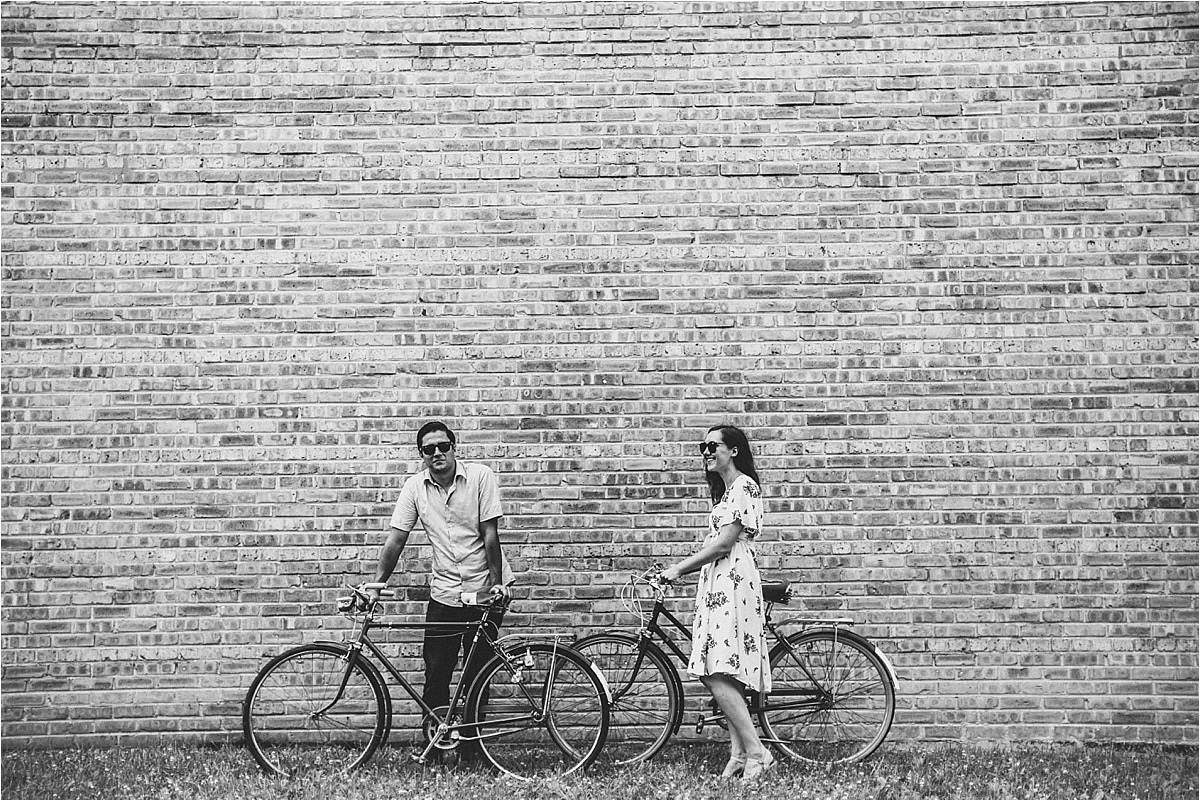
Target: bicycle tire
x,y
506,703
285,719
647,695
832,699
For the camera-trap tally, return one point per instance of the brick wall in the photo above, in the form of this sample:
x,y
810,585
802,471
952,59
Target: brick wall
x,y
939,260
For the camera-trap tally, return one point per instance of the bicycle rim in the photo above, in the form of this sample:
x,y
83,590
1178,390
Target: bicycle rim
x,y
831,700
508,705
290,725
647,703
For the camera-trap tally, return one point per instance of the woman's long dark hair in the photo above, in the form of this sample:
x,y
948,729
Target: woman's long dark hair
x,y
733,437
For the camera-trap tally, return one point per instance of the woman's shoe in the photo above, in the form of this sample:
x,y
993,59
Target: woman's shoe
x,y
757,767
733,767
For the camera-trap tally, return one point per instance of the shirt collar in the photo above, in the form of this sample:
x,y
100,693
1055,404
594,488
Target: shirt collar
x,y
459,472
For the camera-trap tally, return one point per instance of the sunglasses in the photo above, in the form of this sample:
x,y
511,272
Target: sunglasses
x,y
428,450
709,447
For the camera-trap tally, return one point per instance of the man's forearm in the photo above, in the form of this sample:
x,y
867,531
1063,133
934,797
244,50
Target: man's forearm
x,y
491,550
389,555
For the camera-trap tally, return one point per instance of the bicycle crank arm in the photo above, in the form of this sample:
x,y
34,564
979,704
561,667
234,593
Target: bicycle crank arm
x,y
423,757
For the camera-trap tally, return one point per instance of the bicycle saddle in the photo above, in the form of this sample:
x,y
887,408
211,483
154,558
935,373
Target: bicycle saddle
x,y
776,592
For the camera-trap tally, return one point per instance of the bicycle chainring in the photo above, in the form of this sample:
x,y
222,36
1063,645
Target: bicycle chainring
x,y
429,727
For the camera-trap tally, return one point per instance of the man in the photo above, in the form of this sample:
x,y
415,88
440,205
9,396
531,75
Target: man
x,y
458,504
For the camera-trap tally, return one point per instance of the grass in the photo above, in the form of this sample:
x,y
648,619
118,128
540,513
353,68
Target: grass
x,y
682,771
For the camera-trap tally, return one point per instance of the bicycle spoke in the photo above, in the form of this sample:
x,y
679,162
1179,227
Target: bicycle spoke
x,y
848,699
542,715
279,722
646,705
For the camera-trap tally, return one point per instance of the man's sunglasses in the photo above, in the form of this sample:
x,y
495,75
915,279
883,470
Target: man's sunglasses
x,y
709,447
428,450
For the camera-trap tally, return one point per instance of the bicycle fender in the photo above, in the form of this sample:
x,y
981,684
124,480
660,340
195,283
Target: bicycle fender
x,y
598,675
478,682
846,634
335,643
887,663
622,633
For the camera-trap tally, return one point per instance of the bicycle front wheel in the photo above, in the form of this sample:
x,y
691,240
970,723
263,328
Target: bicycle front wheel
x,y
305,711
831,699
539,711
647,695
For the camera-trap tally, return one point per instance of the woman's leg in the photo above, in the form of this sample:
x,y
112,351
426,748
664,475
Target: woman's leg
x,y
743,736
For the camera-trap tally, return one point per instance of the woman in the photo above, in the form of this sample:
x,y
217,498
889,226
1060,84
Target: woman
x,y
728,645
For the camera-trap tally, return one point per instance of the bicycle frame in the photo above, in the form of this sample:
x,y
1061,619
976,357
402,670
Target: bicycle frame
x,y
445,728
653,629
756,704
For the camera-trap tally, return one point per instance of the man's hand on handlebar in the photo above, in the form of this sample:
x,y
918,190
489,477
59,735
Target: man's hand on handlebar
x,y
368,594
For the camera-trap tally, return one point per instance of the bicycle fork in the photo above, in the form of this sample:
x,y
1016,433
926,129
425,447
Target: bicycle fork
x,y
349,659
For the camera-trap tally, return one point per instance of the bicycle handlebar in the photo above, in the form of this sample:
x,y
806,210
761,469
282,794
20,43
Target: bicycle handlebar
x,y
363,601
652,577
775,592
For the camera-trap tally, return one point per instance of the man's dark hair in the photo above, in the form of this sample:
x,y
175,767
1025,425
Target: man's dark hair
x,y
435,425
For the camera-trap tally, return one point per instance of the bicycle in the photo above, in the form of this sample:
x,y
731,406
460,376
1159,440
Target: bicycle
x,y
538,708
833,695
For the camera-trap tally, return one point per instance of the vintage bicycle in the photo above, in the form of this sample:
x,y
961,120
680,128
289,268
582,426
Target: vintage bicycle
x,y
833,695
538,708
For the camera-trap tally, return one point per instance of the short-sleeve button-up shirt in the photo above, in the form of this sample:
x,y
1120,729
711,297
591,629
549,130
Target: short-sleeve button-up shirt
x,y
451,520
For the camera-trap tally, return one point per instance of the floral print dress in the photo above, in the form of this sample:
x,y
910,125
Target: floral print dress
x,y
727,632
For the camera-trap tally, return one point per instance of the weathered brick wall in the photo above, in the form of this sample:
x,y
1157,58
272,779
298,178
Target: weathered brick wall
x,y
939,260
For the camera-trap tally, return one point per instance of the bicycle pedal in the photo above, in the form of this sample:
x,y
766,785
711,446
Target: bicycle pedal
x,y
699,723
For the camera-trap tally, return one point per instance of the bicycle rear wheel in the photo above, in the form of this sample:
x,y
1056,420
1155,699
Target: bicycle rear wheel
x,y
295,720
540,711
647,695
831,700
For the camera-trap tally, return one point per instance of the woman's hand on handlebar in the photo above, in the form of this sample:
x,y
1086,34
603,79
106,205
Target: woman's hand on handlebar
x,y
669,575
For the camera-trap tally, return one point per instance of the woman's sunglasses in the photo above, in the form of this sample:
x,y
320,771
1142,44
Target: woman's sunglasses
x,y
428,450
709,447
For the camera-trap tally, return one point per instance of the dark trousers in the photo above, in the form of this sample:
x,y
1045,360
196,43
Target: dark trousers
x,y
442,646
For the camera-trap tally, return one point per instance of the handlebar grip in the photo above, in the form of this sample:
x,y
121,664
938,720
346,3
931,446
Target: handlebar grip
x,y
485,600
